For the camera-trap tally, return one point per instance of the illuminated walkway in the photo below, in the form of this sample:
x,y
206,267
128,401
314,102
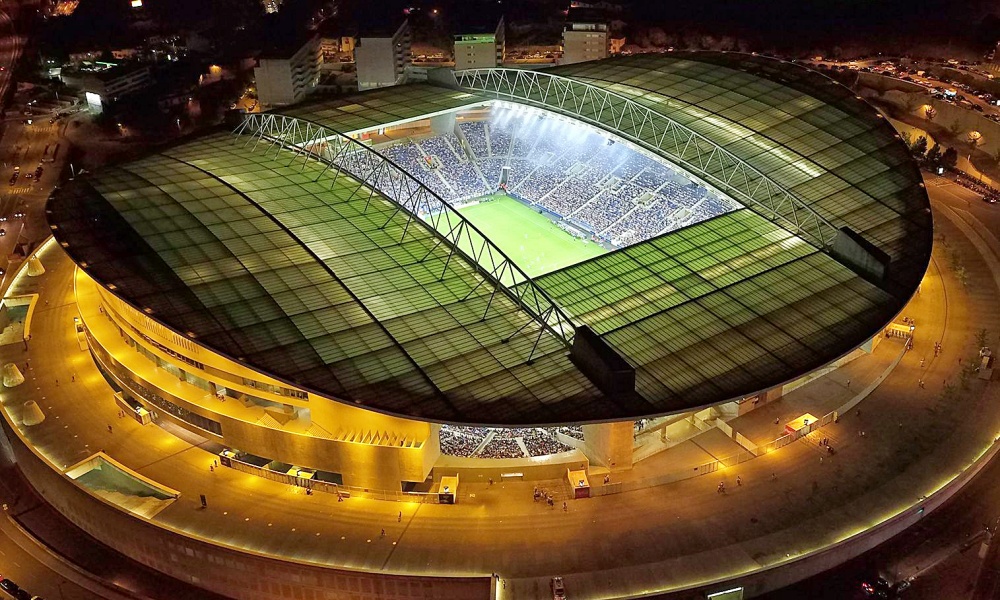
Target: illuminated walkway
x,y
656,538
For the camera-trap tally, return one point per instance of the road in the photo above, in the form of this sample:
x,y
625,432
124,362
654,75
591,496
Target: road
x,y
28,565
927,82
21,558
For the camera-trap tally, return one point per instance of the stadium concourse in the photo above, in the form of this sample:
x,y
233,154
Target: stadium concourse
x,y
381,340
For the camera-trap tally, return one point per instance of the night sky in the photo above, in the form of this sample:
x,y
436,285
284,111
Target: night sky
x,y
823,22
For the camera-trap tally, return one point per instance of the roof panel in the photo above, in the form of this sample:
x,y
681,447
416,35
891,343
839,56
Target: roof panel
x,y
301,277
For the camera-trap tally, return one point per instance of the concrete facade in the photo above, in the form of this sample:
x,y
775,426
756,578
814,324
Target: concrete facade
x,y
484,50
236,573
286,79
382,60
584,41
229,403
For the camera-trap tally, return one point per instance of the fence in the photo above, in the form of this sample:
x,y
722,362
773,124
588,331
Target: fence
x,y
345,491
752,451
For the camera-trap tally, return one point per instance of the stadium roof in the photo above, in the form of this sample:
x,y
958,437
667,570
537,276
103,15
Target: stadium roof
x,y
809,134
291,270
381,107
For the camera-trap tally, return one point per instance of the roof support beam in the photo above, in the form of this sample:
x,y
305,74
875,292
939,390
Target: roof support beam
x,y
653,130
380,174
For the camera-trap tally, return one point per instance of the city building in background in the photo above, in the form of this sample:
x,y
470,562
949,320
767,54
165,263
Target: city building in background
x,y
288,73
586,35
103,83
382,51
480,43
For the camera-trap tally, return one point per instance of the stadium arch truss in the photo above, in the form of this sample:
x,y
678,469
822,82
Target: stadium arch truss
x,y
649,128
344,154
302,252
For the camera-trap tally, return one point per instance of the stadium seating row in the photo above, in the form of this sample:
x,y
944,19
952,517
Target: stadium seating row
x,y
618,194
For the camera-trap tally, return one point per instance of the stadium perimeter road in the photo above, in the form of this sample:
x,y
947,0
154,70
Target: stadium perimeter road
x,y
616,545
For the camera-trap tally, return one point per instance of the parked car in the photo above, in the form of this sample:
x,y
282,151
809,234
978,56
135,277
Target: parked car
x,y
558,589
8,586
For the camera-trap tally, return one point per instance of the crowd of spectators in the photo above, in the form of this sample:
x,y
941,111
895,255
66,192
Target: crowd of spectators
x,y
501,442
461,441
500,447
573,431
617,194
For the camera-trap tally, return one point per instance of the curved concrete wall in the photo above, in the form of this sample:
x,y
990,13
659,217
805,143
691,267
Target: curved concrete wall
x,y
238,574
340,445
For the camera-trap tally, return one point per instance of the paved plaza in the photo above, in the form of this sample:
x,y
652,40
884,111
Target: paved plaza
x,y
791,502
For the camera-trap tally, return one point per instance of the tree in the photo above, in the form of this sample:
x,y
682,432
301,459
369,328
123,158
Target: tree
x,y
919,147
950,158
657,37
930,112
907,138
934,154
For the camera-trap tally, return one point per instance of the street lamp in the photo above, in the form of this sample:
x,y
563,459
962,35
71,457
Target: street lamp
x,y
975,138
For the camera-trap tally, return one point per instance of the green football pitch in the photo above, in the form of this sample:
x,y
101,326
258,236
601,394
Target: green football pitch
x,y
530,239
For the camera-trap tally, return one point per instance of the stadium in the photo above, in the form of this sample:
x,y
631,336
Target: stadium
x,y
496,273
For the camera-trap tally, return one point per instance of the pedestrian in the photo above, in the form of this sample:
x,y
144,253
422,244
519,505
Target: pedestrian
x,y
922,362
211,468
491,481
565,507
739,481
399,517
72,378
776,419
921,384
109,428
57,383
848,384
722,488
383,533
858,412
216,462
775,477
821,460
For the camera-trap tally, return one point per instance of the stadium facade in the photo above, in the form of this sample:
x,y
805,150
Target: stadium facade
x,y
313,289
